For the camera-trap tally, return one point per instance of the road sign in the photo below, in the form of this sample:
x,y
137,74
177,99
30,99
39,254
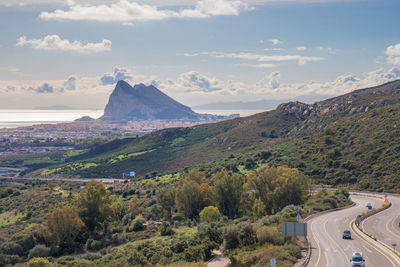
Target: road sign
x,y
273,262
298,217
294,229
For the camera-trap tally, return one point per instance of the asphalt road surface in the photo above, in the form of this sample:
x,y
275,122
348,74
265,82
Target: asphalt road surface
x,y
385,225
328,247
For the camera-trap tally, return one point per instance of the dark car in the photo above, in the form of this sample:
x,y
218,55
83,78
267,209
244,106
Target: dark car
x,y
346,234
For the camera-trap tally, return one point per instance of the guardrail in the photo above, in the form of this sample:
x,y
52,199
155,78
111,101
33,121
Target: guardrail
x,y
388,251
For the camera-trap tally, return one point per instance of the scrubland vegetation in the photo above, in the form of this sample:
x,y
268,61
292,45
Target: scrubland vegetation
x,y
144,223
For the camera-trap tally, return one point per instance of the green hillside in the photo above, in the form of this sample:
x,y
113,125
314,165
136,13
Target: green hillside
x,y
363,149
345,139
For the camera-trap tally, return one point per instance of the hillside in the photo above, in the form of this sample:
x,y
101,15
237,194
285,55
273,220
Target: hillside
x,y
362,148
288,131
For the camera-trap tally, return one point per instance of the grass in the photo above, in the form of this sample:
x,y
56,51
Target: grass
x,y
10,217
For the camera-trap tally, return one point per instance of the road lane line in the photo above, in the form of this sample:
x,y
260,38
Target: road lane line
x,y
367,249
333,241
316,240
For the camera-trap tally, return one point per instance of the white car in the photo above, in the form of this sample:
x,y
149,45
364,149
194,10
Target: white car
x,y
357,260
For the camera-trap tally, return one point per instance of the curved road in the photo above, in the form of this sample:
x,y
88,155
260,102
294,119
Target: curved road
x,y
385,225
328,247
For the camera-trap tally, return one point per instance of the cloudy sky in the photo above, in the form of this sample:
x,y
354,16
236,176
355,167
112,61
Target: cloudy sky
x,y
57,52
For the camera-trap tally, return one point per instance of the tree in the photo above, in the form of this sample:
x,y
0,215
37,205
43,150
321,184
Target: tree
x,y
278,187
210,214
116,210
166,200
193,194
228,190
94,205
258,208
134,205
61,227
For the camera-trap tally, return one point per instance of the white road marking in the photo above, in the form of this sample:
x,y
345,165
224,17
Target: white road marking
x,y
370,251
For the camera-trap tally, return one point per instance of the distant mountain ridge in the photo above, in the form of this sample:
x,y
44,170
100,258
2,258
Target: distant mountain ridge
x,y
141,102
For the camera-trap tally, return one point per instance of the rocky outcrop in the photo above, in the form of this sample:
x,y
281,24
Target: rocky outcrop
x,y
317,116
143,102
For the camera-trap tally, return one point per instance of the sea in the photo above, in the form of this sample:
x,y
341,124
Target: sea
x,y
12,118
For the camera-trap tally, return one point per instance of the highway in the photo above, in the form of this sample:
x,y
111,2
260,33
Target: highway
x,y
328,247
385,225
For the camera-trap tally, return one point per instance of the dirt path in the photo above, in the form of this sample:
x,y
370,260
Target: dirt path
x,y
218,260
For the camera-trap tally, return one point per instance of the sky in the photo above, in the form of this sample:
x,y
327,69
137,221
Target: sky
x,y
72,53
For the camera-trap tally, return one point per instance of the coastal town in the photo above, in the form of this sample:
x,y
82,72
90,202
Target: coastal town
x,y
65,136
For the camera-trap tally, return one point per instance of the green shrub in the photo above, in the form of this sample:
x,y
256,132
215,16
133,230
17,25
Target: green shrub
x,y
11,248
38,262
137,225
239,235
137,259
194,253
178,217
39,251
268,235
210,214
166,229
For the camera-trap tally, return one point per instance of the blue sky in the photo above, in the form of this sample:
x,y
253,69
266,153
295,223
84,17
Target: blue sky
x,y
198,52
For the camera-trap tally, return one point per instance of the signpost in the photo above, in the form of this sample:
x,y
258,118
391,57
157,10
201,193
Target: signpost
x,y
273,262
294,229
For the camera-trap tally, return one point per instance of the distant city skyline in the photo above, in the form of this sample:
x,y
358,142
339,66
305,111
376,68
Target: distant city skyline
x,y
73,52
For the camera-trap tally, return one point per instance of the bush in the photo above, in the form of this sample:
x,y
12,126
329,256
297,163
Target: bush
x,y
194,253
38,262
11,248
239,235
268,234
166,229
9,259
210,214
39,251
137,225
93,244
137,259
178,217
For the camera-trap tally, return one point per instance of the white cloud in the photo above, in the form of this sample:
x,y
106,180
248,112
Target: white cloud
x,y
42,89
189,87
193,81
70,84
126,11
393,54
275,41
117,74
301,60
326,49
54,42
301,48
260,66
275,49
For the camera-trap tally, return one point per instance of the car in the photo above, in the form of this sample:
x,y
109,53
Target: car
x,y
357,260
346,234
